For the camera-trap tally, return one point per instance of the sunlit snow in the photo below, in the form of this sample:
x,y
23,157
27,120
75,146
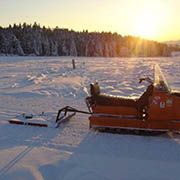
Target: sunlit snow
x,y
45,84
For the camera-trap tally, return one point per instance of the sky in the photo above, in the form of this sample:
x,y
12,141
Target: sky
x,y
151,19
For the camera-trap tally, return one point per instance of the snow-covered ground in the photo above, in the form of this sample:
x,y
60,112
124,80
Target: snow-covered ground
x,y
45,84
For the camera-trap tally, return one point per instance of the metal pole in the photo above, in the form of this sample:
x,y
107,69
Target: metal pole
x,y
73,64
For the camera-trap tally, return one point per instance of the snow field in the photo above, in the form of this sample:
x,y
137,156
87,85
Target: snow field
x,y
45,84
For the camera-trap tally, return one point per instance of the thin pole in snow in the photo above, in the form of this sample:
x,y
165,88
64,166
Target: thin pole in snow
x,y
73,64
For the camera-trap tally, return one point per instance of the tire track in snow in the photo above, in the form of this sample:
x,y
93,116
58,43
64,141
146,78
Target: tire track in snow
x,y
14,161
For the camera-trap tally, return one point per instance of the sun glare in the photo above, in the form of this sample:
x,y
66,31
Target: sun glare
x,y
149,20
146,25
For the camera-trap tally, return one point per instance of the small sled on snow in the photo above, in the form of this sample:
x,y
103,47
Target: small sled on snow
x,y
42,120
157,109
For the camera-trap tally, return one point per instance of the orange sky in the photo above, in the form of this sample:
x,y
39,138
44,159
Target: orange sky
x,y
151,19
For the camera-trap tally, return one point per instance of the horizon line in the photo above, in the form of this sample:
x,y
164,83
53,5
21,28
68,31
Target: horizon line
x,y
89,31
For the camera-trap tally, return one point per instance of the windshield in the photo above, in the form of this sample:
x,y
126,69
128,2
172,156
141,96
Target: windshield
x,y
160,82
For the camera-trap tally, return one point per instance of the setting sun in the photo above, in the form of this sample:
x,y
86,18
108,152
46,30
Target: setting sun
x,y
150,20
146,26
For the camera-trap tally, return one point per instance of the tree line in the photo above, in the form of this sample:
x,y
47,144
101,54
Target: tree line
x,y
26,39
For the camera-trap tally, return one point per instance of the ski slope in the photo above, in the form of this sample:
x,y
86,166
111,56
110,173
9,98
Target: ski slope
x,y
45,84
